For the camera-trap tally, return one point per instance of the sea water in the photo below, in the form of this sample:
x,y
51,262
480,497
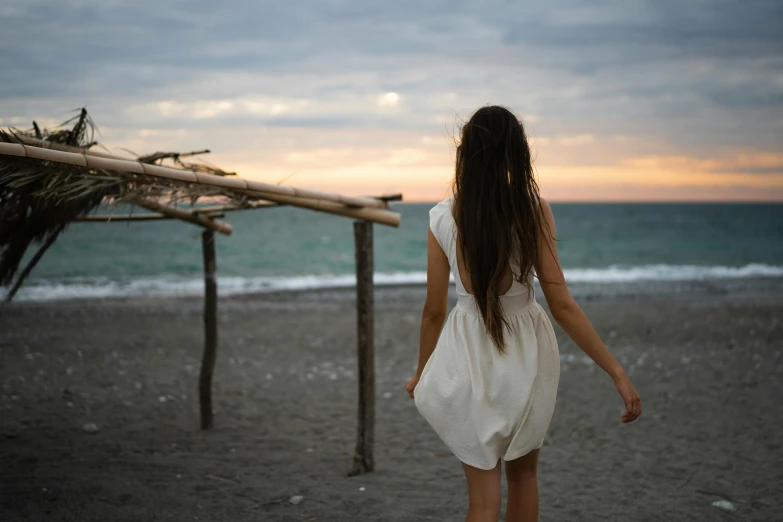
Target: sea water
x,y
286,248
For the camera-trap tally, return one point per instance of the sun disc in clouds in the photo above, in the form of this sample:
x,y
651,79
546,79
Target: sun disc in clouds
x,y
389,99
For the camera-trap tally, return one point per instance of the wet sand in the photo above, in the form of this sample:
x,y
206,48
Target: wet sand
x,y
706,359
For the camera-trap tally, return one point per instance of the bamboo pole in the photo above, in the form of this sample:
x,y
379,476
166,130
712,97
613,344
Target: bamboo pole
x,y
197,219
363,460
272,204
389,197
212,211
383,217
210,329
231,207
40,142
46,150
107,218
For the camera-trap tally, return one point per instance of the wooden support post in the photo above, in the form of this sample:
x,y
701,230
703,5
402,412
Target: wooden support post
x,y
210,328
365,434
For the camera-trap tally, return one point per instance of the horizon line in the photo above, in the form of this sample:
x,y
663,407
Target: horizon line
x,y
631,201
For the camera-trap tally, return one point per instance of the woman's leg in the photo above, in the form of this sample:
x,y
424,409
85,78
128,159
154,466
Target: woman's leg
x,y
522,479
483,493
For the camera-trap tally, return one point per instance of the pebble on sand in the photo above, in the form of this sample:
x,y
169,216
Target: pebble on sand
x,y
90,428
296,499
724,504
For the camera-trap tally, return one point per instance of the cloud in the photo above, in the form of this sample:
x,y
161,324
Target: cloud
x,y
389,99
577,140
217,109
673,78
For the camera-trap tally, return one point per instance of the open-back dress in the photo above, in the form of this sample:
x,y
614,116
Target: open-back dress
x,y
484,404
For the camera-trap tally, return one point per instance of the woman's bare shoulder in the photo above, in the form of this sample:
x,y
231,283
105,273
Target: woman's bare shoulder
x,y
546,210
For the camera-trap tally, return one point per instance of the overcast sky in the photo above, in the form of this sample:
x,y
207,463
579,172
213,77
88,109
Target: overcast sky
x,y
623,99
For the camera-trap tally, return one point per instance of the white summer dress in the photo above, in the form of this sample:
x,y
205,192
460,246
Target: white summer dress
x,y
485,405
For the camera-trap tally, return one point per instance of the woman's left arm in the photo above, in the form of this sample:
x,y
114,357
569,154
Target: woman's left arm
x,y
435,306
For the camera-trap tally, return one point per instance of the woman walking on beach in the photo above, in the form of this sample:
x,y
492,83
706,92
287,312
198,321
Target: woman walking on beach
x,y
487,379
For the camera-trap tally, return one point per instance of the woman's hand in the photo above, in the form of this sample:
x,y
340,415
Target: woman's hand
x,y
633,403
412,385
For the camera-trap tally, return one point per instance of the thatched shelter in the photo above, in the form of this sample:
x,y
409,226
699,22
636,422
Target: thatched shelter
x,y
49,179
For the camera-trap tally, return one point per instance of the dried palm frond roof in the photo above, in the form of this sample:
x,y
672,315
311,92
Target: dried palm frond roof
x,y
50,178
30,211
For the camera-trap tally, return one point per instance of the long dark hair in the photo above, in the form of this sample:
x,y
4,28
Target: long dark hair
x,y
496,209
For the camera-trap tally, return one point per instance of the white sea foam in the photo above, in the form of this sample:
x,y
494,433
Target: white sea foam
x,y
101,287
621,274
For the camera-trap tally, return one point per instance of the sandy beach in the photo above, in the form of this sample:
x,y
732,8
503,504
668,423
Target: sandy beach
x,y
707,359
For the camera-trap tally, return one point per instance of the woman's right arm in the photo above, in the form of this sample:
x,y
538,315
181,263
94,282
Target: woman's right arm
x,y
573,320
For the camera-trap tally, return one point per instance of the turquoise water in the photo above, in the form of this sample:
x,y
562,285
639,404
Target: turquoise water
x,y
278,248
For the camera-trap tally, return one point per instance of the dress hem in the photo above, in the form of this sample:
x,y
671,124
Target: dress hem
x,y
522,453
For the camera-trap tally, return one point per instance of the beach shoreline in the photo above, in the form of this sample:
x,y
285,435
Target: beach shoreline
x,y
744,288
707,358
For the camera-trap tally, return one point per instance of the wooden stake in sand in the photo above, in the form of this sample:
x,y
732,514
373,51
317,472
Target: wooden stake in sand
x,y
210,328
365,433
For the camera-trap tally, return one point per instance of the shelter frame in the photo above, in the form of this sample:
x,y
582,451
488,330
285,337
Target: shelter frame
x,y
364,211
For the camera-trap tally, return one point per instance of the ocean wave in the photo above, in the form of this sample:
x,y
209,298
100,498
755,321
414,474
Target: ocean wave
x,y
624,274
101,287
